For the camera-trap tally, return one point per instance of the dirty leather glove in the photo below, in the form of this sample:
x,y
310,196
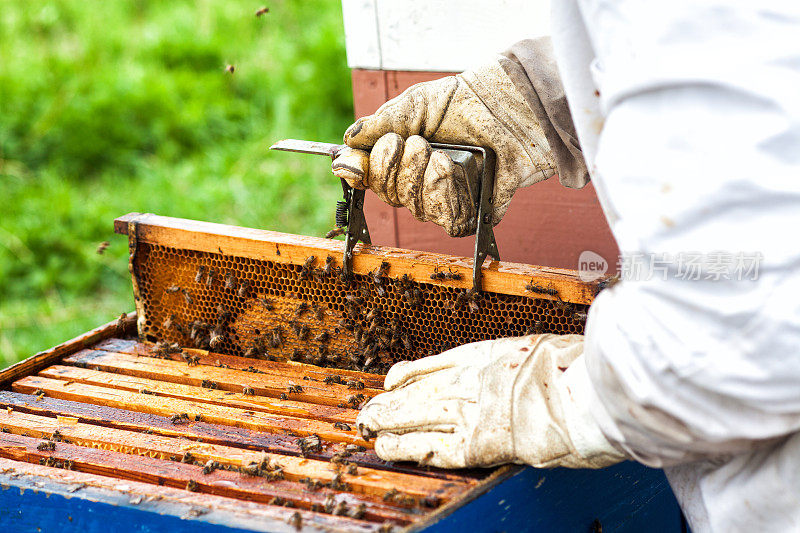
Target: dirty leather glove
x,y
480,107
521,400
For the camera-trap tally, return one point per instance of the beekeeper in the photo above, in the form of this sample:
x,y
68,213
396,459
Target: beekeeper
x,y
687,116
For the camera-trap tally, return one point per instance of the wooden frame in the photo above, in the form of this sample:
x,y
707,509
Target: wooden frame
x,y
501,277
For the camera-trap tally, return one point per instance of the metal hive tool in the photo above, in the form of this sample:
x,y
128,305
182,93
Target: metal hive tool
x,y
247,293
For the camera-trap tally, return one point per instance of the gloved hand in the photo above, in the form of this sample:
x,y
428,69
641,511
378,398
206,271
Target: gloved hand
x,y
480,107
521,400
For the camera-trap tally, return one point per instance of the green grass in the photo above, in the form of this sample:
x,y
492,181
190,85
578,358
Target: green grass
x,y
113,107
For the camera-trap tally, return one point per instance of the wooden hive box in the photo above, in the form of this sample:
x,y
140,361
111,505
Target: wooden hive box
x,y
110,431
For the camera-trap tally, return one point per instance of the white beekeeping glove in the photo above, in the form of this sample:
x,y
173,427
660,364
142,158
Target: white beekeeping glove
x,y
482,107
521,400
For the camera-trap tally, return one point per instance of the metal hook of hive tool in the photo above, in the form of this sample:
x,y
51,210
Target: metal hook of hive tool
x,y
352,205
479,166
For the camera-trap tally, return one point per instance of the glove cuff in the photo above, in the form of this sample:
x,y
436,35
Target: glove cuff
x,y
581,425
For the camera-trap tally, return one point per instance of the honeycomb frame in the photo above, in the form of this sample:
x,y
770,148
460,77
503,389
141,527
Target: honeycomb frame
x,y
257,294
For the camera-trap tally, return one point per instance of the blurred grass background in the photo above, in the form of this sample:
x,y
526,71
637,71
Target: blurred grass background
x,y
113,107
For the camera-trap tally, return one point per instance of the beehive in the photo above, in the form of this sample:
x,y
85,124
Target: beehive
x,y
280,297
260,443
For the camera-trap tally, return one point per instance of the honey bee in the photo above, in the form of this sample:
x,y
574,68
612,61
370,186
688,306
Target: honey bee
x,y
319,311
216,339
303,332
538,289
165,349
295,389
455,276
201,272
322,337
169,322
537,328
307,268
311,443
342,426
373,315
243,288
179,418
210,466
383,269
330,380
248,391
188,458
208,384
347,324
172,289
297,355
230,281
277,337
212,275
296,520
608,283
431,501
406,340
381,291
355,384
302,307
283,396
579,316
46,446
354,400
390,495
359,511
230,69
102,247
335,232
187,297
437,275
341,508
352,469
262,11
328,268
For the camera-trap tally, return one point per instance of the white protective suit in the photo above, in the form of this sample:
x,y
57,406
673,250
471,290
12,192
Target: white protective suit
x,y
693,143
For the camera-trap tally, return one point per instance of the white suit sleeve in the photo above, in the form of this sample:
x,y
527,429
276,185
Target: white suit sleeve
x,y
695,355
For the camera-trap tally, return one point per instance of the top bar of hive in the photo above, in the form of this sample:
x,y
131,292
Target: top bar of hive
x,y
259,283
